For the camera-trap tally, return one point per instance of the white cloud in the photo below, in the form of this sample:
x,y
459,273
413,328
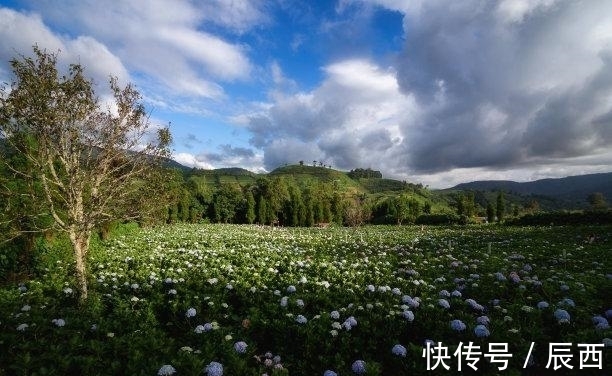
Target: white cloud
x,y
20,31
160,41
190,160
352,119
237,15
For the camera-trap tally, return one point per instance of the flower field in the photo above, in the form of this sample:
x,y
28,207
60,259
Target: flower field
x,y
247,300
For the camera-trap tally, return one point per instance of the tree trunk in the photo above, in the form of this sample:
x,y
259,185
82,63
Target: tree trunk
x,y
80,245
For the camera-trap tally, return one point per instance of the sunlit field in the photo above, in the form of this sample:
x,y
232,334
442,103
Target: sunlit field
x,y
248,300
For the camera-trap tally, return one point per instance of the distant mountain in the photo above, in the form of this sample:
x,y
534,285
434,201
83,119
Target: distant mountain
x,y
572,191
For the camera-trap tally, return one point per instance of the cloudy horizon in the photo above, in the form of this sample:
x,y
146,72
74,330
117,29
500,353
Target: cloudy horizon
x,y
430,91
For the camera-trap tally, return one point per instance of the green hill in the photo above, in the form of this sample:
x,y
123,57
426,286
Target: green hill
x,y
309,174
213,178
304,175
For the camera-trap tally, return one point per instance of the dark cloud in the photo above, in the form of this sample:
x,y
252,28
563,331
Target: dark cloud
x,y
228,152
501,89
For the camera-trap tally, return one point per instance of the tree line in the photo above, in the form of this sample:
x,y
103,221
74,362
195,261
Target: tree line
x,y
285,201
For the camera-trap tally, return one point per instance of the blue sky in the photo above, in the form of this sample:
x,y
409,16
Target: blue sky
x,y
430,91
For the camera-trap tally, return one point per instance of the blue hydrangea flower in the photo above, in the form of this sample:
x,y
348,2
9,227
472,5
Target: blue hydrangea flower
x,y
166,370
562,316
334,315
240,347
359,367
301,319
329,373
191,312
600,322
444,303
291,289
214,369
411,302
483,320
457,325
481,331
399,350
408,315
474,305
349,323
543,305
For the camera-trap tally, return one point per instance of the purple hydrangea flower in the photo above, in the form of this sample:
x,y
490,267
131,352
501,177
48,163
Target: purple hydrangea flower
x,y
214,369
191,312
240,347
359,367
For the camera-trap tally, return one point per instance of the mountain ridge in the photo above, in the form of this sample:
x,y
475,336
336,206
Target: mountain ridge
x,y
572,190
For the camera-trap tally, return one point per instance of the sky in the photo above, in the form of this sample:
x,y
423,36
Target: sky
x,y
428,91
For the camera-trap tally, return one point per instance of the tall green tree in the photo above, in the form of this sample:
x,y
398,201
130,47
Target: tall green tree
x,y
597,201
401,206
250,215
500,209
490,212
262,211
226,201
88,159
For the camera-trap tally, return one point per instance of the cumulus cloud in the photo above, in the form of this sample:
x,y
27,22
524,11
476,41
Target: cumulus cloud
x,y
20,31
162,41
351,119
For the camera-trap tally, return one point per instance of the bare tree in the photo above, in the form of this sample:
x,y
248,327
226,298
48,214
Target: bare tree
x,y
87,159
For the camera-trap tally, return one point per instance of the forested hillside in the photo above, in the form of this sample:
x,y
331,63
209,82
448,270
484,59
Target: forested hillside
x,y
294,195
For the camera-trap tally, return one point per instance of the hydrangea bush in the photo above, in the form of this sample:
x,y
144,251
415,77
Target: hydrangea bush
x,y
249,300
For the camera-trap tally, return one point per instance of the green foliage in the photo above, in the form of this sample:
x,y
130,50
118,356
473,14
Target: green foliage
x,y
597,201
364,173
490,212
438,219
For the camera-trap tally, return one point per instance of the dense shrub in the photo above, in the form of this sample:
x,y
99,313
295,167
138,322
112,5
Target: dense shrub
x,y
561,218
439,219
